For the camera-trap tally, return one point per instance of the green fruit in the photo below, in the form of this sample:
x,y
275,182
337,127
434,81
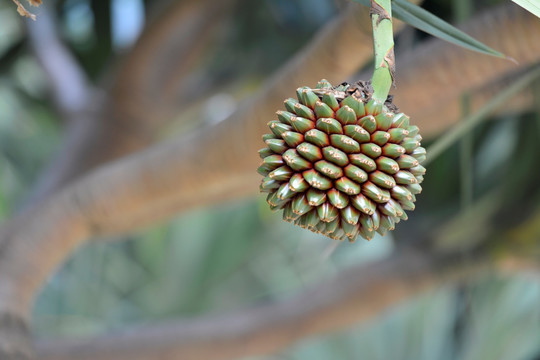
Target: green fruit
x,y
316,180
368,122
345,143
347,186
363,161
324,84
289,105
295,161
282,173
329,126
292,138
387,165
279,128
317,137
397,134
328,169
298,184
363,204
351,231
336,156
337,198
350,214
356,132
380,137
327,212
309,151
304,111
300,205
346,115
381,179
284,116
315,197
340,163
372,150
309,98
277,146
322,110
355,174
355,104
301,124
330,100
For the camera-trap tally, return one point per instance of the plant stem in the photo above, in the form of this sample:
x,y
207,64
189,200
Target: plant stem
x,y
466,157
461,11
383,45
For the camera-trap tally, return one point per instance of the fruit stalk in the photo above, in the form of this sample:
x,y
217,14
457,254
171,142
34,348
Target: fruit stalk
x,y
383,45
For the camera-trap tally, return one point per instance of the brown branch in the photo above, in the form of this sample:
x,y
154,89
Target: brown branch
x,y
178,175
424,71
355,295
513,265
139,99
451,112
209,166
84,209
68,82
27,257
152,86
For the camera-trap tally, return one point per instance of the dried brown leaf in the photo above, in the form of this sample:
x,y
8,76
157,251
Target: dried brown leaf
x,y
22,10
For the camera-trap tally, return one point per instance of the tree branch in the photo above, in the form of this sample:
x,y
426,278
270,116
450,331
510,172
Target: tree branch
x,y
422,71
139,99
177,175
355,295
68,83
165,172
206,167
149,88
28,257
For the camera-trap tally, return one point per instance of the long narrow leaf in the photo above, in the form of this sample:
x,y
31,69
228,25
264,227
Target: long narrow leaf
x,y
532,6
424,20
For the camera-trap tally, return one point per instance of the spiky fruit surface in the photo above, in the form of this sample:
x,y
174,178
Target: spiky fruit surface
x,y
340,163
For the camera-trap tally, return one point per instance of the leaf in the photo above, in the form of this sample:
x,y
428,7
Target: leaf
x,y
532,6
23,12
424,20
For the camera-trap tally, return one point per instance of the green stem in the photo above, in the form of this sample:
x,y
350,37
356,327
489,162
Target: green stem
x,y
466,157
383,45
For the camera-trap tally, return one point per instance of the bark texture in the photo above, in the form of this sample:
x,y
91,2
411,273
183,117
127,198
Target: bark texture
x,y
356,295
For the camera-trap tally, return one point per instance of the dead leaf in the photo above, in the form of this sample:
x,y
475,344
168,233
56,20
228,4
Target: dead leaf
x,y
23,12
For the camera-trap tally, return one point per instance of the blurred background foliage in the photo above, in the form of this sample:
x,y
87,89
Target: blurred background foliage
x,y
239,254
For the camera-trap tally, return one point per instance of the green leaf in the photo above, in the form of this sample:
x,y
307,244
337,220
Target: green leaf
x,y
532,6
424,20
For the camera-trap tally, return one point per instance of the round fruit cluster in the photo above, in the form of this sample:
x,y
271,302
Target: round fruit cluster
x,y
340,163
